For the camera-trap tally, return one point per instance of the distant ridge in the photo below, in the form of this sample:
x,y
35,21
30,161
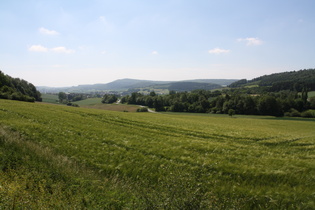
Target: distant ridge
x,y
125,84
291,80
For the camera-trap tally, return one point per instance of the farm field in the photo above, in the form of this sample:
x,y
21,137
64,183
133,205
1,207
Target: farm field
x,y
93,103
50,98
96,103
89,102
114,107
68,157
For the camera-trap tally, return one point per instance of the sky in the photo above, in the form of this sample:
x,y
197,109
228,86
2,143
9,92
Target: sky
x,y
61,43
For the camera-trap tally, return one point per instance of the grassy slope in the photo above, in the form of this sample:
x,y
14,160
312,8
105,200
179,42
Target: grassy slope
x,y
93,158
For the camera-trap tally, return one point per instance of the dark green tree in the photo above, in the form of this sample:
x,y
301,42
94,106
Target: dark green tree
x,y
152,93
268,105
109,98
312,102
231,112
62,97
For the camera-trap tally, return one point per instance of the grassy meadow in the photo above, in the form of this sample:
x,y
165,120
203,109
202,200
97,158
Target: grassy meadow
x,y
69,157
96,103
50,98
89,102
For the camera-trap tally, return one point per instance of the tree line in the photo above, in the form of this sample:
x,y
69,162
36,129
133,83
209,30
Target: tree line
x,y
17,89
220,102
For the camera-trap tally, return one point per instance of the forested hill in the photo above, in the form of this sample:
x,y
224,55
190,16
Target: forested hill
x,y
293,80
17,89
189,86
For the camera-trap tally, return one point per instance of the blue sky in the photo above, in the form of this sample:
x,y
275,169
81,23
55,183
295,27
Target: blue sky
x,y
65,43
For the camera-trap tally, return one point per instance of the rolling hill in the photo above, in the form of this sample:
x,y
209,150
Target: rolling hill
x,y
292,80
125,84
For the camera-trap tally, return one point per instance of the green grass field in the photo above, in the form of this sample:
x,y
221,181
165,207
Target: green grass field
x,y
68,157
89,102
93,103
96,103
114,107
50,98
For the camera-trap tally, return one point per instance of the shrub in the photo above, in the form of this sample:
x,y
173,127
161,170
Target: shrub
x,y
308,114
142,109
72,104
231,112
293,113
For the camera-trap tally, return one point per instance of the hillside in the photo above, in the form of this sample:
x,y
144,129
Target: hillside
x,y
116,160
189,86
17,89
293,80
185,86
125,84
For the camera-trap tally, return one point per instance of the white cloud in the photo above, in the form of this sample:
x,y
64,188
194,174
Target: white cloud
x,y
47,32
154,52
218,51
40,48
62,50
37,48
251,41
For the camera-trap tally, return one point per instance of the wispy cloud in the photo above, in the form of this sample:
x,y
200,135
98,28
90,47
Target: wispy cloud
x,y
251,41
103,19
218,51
47,31
38,48
62,50
105,23
154,52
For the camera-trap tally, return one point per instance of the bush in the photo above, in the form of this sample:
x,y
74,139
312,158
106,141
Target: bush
x,y
231,112
293,113
72,104
142,109
4,95
308,114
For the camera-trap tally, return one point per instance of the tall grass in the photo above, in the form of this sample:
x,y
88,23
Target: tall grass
x,y
84,158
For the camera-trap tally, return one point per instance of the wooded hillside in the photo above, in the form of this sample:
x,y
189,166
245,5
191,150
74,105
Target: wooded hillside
x,y
17,89
293,80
